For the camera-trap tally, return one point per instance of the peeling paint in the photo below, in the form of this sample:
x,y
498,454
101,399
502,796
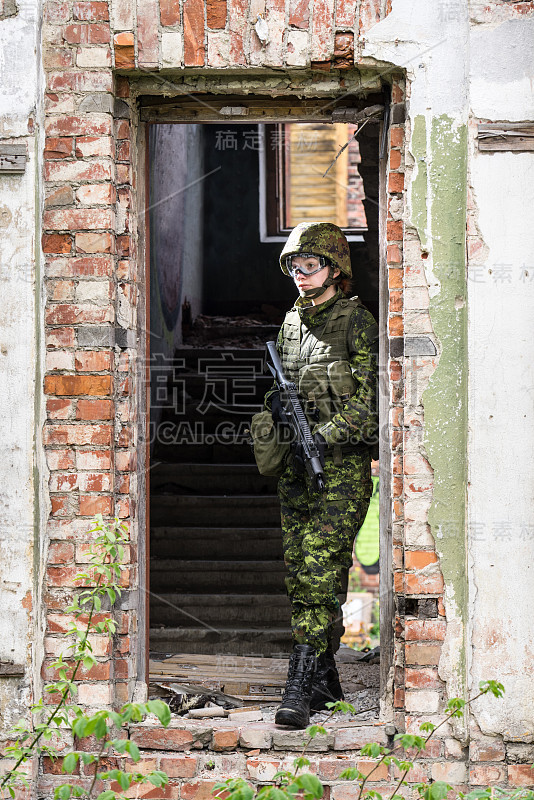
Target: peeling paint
x,y
439,207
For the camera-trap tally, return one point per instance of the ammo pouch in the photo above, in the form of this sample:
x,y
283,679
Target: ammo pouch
x,y
269,452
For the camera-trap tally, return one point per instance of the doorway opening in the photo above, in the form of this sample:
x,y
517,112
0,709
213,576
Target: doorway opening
x,y
222,198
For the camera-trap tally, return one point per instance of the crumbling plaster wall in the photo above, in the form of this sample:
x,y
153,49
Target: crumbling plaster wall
x,y
501,376
460,68
430,42
20,359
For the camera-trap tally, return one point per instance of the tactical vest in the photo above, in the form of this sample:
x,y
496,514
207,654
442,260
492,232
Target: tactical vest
x,y
321,344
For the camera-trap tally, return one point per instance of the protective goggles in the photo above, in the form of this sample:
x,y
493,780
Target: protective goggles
x,y
303,269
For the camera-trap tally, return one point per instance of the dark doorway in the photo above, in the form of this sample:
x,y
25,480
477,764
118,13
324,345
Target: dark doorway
x,y
221,200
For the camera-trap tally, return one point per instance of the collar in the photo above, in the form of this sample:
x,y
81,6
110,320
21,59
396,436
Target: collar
x,y
316,315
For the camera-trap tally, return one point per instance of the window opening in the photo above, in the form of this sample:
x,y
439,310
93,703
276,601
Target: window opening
x,y
217,596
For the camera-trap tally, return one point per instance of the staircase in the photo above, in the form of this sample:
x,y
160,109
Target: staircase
x,y
217,570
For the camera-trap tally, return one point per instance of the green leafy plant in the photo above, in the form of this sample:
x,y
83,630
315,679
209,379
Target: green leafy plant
x,y
289,784
47,725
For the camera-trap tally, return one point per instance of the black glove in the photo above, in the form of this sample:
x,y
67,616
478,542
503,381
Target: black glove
x,y
320,441
277,410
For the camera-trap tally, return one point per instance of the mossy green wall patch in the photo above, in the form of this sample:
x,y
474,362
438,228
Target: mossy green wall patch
x,y
439,199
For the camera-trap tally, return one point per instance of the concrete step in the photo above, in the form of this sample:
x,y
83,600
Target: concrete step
x,y
222,641
190,610
201,451
172,478
211,358
215,510
216,543
207,577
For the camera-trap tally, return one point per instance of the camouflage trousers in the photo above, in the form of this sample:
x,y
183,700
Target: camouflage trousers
x,y
318,531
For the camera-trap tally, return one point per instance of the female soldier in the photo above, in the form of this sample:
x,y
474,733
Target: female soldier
x,y
328,347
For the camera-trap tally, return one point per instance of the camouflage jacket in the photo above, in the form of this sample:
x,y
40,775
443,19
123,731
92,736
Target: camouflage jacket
x,y
357,419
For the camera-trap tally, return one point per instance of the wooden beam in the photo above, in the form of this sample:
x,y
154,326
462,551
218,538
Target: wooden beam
x,y
513,136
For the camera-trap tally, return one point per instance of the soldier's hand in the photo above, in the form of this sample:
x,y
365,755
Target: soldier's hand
x,y
277,410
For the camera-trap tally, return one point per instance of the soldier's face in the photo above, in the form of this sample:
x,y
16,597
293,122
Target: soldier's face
x,y
309,264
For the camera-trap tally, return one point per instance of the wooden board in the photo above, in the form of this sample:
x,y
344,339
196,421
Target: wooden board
x,y
248,678
516,136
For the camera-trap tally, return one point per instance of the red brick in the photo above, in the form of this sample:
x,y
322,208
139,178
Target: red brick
x,y
169,11
59,409
423,584
96,194
394,159
123,129
396,182
80,81
56,242
123,508
321,30
92,361
422,678
74,171
346,14
69,385
63,482
394,255
81,267
90,146
194,50
94,242
90,11
93,459
299,13
397,93
60,552
521,775
77,219
396,326
125,460
369,14
122,86
62,576
59,147
60,291
56,11
418,559
198,790
424,654
123,246
77,434
147,33
395,301
95,482
396,137
394,230
60,459
122,484
123,44
225,739
99,504
90,125
162,738
179,766
94,409
395,278
488,775
60,196
216,13
94,33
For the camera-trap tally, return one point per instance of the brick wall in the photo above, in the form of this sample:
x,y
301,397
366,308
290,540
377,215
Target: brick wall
x,y
90,246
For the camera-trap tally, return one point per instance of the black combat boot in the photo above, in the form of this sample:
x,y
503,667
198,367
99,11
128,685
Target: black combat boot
x,y
294,710
326,687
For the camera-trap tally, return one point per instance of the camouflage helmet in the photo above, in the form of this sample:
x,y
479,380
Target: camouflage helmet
x,y
320,239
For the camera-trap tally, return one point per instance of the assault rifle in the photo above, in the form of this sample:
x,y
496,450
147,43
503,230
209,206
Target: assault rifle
x,y
306,450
